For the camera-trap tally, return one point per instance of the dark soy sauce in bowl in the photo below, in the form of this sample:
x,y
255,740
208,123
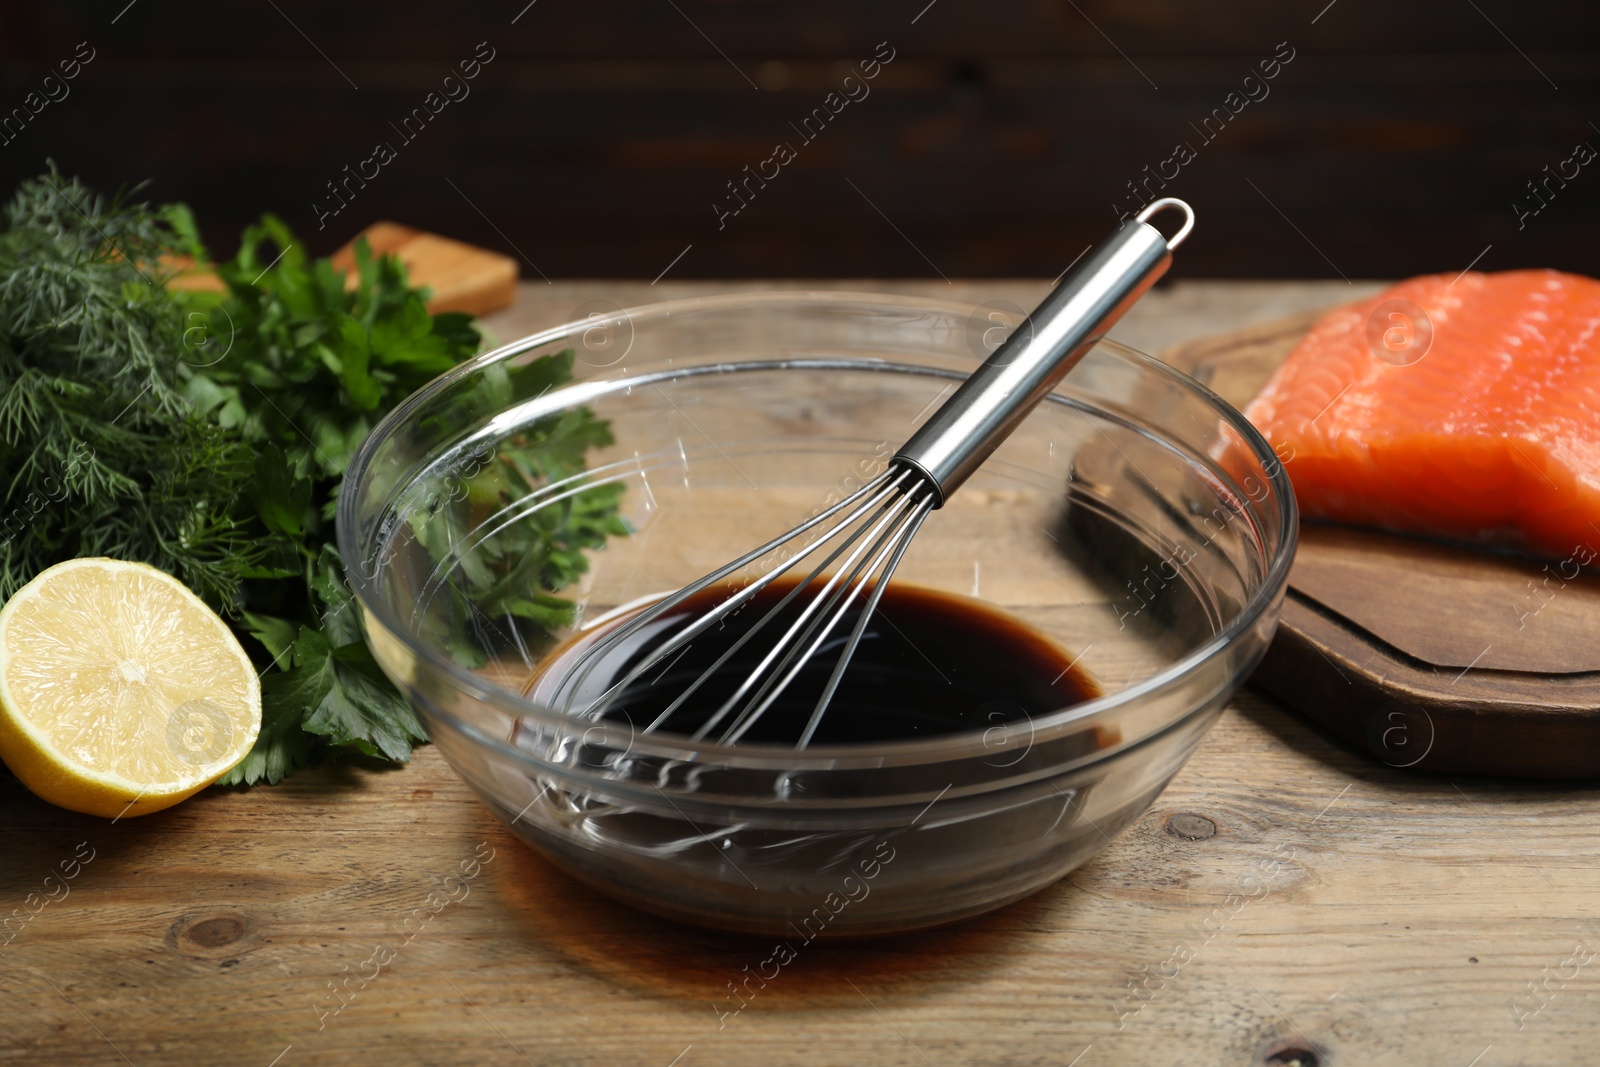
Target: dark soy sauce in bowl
x,y
929,663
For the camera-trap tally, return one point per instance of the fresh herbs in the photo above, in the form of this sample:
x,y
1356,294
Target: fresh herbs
x,y
209,434
500,595
306,365
101,453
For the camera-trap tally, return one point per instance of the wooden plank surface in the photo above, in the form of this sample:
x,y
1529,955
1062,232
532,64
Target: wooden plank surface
x,y
1285,892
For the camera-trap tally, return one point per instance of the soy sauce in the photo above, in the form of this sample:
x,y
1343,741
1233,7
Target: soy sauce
x,y
929,663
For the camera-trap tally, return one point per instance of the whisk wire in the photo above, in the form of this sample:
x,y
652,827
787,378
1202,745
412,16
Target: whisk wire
x,y
839,587
878,489
885,500
868,612
886,515
890,546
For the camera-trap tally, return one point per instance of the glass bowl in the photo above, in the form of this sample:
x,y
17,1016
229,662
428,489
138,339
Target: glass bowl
x,y
1133,518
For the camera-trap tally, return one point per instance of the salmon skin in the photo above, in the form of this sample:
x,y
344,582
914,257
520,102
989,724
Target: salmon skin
x,y
1463,407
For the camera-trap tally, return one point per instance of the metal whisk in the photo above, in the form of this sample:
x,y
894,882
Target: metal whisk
x,y
870,530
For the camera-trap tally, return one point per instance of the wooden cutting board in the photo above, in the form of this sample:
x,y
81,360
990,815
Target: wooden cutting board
x,y
1425,655
462,277
459,276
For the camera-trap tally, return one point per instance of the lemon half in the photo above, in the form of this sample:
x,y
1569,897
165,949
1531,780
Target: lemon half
x,y
121,693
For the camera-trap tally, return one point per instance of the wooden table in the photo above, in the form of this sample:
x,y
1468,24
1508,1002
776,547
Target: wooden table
x,y
1404,920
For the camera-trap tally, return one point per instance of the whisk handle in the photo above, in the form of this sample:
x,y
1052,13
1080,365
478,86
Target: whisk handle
x,y
1042,349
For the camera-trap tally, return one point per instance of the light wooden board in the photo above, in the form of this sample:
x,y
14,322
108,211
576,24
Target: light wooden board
x,y
458,276
1385,916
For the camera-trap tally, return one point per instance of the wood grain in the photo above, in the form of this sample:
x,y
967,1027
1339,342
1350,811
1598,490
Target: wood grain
x,y
1389,918
1365,939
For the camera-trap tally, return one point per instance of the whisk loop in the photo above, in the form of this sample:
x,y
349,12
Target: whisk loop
x,y
880,519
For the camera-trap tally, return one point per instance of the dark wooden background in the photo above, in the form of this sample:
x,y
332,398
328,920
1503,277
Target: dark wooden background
x,y
995,143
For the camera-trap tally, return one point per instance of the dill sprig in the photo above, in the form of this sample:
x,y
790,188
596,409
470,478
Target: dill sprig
x,y
103,454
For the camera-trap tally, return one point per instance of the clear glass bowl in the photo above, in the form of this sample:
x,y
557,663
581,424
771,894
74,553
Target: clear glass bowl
x,y
1134,517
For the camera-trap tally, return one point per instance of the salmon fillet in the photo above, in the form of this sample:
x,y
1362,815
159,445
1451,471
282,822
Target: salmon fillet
x,y
1490,435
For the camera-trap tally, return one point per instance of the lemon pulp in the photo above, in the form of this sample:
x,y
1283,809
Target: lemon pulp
x,y
121,692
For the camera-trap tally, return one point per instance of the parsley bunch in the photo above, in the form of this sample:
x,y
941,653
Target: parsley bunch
x,y
306,365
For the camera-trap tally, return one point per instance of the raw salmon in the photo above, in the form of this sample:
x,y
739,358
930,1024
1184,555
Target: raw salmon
x,y
1489,432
